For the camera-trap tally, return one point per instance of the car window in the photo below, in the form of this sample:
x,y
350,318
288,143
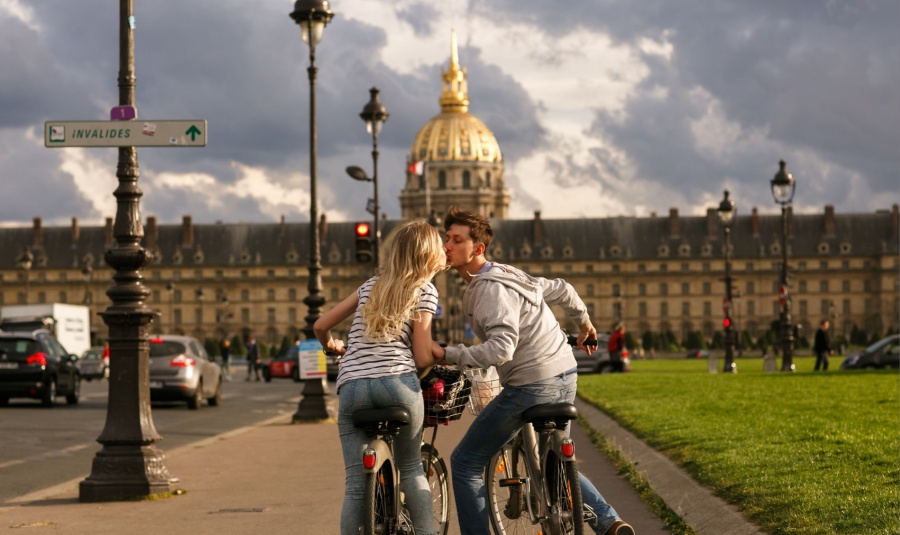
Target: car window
x,y
49,347
196,349
18,347
60,350
165,348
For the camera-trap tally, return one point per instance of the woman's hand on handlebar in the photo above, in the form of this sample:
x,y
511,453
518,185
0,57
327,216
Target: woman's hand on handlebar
x,y
587,334
335,348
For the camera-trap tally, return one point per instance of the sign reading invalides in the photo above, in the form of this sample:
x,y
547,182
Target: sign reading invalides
x,y
181,133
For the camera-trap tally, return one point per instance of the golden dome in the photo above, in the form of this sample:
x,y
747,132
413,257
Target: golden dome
x,y
455,134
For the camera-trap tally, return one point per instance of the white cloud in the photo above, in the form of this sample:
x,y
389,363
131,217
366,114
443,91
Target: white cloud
x,y
17,10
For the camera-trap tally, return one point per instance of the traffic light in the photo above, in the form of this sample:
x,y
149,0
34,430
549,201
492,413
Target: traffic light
x,y
726,323
363,242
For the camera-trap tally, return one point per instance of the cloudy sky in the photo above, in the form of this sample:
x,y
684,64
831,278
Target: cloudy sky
x,y
601,107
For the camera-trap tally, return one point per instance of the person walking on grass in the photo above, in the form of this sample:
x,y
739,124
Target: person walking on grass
x,y
822,346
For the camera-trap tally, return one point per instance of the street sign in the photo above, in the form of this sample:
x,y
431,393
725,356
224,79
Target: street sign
x,y
370,206
123,113
311,360
179,133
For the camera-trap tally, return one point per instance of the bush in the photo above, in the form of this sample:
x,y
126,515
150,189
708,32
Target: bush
x,y
237,346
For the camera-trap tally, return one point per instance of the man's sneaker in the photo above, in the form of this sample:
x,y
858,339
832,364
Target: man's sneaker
x,y
620,527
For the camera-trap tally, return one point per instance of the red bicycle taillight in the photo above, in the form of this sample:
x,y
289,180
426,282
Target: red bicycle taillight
x,y
568,447
182,362
37,359
369,459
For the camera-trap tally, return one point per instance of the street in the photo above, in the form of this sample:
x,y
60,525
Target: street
x,y
41,447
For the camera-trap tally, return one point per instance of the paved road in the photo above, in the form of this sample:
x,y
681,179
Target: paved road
x,y
41,447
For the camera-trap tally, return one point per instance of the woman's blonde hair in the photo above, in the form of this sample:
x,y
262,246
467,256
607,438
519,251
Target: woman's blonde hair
x,y
414,254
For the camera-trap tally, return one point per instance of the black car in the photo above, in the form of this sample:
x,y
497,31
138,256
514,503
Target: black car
x,y
35,365
884,353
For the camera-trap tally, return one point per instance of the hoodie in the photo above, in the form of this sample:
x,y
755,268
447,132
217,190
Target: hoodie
x,y
508,309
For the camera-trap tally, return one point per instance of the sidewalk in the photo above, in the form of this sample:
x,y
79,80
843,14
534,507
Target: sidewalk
x,y
282,478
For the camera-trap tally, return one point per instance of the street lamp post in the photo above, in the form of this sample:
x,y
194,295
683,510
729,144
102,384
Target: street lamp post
x,y
129,464
727,213
783,188
312,16
25,261
374,114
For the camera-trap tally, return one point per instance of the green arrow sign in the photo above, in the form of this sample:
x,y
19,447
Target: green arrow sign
x,y
143,133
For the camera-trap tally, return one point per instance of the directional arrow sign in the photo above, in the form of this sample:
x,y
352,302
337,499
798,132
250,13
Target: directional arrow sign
x,y
61,134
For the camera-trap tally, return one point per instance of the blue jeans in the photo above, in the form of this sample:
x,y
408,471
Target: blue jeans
x,y
397,390
495,426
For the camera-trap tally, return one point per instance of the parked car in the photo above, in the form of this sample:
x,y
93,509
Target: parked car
x,y
697,354
598,361
94,363
35,365
181,370
286,365
884,353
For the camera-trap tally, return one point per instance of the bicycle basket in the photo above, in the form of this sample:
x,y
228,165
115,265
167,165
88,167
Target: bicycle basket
x,y
485,387
445,391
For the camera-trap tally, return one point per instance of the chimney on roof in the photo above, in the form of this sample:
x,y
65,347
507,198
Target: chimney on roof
x,y
653,213
323,229
76,232
754,222
187,231
673,223
895,221
37,236
537,229
712,220
108,232
151,235
283,229
830,226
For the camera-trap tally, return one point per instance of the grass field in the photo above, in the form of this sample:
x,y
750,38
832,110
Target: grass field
x,y
800,453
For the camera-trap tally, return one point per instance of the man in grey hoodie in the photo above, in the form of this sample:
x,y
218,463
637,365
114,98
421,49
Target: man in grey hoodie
x,y
508,310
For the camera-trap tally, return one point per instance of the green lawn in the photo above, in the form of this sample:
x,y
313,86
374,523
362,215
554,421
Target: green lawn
x,y
810,453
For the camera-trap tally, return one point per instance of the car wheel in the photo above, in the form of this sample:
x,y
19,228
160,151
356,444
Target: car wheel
x,y
196,399
870,367
48,396
72,399
295,374
267,375
605,368
216,399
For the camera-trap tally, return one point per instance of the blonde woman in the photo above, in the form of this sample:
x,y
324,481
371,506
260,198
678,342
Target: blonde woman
x,y
389,337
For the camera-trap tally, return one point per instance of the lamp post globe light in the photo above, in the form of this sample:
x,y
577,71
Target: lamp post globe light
x,y
727,215
25,261
312,16
783,188
374,114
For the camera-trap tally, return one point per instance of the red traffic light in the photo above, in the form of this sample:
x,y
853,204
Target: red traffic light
x,y
362,229
727,323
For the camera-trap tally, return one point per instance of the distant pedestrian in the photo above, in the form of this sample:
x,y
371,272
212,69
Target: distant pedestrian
x,y
822,346
616,347
226,359
252,359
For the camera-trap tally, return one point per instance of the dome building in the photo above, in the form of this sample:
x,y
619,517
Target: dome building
x,y
462,163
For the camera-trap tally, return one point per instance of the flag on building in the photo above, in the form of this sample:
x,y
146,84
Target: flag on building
x,y
417,168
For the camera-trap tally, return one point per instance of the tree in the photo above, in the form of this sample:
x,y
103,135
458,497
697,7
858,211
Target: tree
x,y
237,346
211,347
695,340
286,345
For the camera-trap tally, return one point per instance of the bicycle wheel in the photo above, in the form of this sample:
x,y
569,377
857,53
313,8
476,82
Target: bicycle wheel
x,y
378,507
507,508
436,472
564,493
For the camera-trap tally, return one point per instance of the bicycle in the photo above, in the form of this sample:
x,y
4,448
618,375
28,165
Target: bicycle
x,y
385,512
531,484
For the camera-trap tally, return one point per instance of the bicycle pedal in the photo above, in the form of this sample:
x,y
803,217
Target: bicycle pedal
x,y
513,481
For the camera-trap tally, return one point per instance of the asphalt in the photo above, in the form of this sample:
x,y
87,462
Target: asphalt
x,y
277,477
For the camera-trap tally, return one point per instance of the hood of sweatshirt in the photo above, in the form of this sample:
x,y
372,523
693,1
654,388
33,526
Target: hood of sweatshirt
x,y
529,290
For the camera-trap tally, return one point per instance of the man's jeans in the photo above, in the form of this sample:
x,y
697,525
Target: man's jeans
x,y
396,390
495,426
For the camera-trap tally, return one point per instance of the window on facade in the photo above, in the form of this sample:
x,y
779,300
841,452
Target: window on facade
x,y
270,273
467,180
63,297
642,289
749,266
845,286
176,275
198,273
245,274
685,267
335,296
663,288
707,309
487,179
823,287
663,268
589,268
442,180
176,296
589,291
63,276
642,268
707,288
867,287
198,316
155,296
42,297
616,290
685,288
245,295
21,298
615,268
270,315
270,295
220,274
686,309
751,308
776,308
546,269
664,310
803,311
590,309
567,269
825,308
292,294
751,288
802,288
823,264
642,309
292,315
245,315
706,267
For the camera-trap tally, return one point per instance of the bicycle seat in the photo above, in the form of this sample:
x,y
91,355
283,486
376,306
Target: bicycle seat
x,y
550,411
394,416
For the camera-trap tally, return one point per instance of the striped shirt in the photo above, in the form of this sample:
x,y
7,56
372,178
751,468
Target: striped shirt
x,y
365,358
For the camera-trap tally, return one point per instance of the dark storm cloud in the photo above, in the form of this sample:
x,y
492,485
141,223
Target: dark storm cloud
x,y
816,77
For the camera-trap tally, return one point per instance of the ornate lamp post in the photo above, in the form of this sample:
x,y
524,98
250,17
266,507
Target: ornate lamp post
x,y
727,213
374,114
129,464
25,261
783,187
312,16
86,272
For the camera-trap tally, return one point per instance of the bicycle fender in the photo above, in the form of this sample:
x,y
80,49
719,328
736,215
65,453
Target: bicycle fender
x,y
556,442
382,454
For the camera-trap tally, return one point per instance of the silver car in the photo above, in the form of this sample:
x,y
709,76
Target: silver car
x,y
181,370
94,363
598,361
